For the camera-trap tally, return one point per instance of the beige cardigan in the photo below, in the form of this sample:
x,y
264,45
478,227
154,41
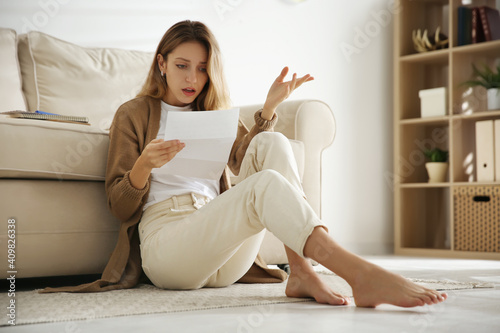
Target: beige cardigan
x,y
136,123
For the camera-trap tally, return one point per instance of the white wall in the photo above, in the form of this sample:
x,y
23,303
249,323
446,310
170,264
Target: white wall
x,y
258,38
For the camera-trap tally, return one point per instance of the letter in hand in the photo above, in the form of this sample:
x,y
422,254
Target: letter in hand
x,y
159,152
281,90
156,153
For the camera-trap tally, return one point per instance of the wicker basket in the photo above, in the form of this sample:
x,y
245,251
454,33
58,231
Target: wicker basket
x,y
477,218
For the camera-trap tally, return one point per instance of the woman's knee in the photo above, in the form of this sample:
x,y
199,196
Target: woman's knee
x,y
269,177
272,145
271,138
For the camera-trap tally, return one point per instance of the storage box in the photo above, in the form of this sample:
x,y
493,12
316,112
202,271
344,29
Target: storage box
x,y
433,102
476,218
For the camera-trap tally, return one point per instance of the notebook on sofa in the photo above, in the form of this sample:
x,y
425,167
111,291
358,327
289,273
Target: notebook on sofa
x,y
47,116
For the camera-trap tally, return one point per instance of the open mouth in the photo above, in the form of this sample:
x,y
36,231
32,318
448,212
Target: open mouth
x,y
188,91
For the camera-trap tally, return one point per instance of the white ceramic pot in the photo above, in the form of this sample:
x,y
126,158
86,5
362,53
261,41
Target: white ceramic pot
x,y
436,171
494,99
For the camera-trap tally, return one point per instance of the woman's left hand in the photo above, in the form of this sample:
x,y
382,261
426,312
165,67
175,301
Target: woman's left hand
x,y
280,91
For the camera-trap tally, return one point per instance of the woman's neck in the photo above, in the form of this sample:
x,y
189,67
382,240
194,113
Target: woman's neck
x,y
177,108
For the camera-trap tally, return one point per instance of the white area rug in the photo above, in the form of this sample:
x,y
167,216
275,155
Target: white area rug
x,y
32,307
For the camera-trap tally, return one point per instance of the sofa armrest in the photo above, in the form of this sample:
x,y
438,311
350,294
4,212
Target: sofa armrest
x,y
311,122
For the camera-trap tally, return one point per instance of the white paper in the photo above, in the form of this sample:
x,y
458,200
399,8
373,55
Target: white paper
x,y
208,135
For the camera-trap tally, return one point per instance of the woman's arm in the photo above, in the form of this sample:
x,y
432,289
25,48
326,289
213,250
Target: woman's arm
x,y
266,118
244,136
129,164
124,200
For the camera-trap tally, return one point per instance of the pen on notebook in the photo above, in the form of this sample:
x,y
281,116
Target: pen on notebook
x,y
41,112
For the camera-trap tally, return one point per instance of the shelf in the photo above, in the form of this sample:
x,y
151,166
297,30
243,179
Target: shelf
x,y
464,98
490,48
447,184
424,185
434,57
423,75
444,120
426,121
423,15
496,183
477,115
427,215
413,141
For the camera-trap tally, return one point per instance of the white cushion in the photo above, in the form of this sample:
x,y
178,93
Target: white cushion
x,y
11,94
65,78
51,150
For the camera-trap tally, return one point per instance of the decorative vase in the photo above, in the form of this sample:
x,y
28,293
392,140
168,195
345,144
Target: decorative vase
x,y
436,171
494,99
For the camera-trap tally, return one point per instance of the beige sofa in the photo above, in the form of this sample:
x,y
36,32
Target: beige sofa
x,y
52,174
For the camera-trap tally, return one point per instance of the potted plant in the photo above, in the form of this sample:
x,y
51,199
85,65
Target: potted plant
x,y
438,165
490,80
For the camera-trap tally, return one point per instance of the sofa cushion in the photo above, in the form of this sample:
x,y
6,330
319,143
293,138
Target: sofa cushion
x,y
51,150
11,93
61,77
54,150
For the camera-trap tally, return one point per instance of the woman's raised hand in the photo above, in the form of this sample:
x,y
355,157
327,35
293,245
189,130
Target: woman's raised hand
x,y
280,91
159,152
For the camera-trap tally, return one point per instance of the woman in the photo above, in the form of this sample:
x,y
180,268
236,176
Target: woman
x,y
196,233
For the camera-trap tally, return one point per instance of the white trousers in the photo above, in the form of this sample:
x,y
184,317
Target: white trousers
x,y
190,243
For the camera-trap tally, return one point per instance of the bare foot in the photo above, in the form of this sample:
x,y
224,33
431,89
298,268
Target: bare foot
x,y
306,285
378,286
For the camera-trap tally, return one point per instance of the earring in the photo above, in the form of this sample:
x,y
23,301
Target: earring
x,y
161,73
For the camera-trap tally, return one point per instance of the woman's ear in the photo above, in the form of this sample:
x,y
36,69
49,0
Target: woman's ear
x,y
161,63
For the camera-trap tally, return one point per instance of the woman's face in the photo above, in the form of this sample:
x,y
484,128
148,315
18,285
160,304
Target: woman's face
x,y
186,73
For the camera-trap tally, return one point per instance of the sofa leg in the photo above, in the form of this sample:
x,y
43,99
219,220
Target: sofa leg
x,y
285,267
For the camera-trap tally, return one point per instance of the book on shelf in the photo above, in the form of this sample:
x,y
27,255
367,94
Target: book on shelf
x,y
40,115
464,35
477,25
477,32
490,20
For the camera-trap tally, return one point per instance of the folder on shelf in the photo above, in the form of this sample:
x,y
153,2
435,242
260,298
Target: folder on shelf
x,y
497,150
485,158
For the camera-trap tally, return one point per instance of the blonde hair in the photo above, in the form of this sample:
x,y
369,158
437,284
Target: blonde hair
x,y
214,95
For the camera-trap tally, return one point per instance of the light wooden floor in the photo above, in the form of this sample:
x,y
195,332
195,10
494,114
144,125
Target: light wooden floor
x,y
464,311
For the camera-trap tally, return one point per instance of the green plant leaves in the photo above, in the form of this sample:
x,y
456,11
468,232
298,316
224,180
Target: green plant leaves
x,y
486,78
436,155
